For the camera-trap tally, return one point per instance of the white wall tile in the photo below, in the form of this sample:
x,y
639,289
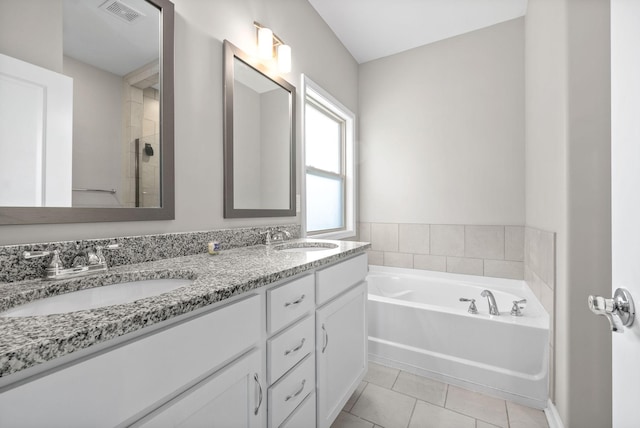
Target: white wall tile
x,y
504,269
364,232
484,242
384,236
514,243
547,258
414,238
447,240
401,260
533,281
375,257
428,262
465,265
546,298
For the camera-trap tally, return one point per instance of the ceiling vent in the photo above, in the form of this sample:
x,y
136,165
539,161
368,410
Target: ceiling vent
x,y
121,11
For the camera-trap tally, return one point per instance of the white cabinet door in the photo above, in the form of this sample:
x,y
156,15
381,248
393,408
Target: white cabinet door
x,y
341,352
231,398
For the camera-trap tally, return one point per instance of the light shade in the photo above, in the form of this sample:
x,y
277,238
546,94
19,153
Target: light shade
x,y
265,43
284,58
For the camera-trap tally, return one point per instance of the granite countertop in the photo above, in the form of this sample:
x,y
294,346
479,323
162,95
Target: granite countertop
x,y
28,341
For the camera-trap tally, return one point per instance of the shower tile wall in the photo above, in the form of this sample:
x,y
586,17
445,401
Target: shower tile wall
x,y
496,251
540,275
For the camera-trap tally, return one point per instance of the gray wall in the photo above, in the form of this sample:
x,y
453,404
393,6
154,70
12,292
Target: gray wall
x,y
568,189
442,131
201,26
32,31
247,153
97,132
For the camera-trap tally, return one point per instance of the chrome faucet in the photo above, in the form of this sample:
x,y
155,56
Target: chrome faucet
x,y
86,262
493,307
276,235
280,235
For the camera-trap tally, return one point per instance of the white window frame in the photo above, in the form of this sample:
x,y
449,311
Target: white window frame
x,y
312,90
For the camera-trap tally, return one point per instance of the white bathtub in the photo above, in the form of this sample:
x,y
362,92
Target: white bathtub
x,y
417,323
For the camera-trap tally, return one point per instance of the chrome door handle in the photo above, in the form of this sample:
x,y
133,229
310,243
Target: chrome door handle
x,y
255,377
325,340
621,306
296,349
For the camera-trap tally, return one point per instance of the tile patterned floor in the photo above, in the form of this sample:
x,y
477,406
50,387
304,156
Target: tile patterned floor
x,y
391,398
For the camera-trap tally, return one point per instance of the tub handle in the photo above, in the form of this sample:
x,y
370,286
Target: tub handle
x,y
472,305
325,339
515,310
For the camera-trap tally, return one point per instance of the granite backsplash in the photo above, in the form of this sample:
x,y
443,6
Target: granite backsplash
x,y
132,249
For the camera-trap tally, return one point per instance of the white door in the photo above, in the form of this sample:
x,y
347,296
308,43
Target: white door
x,y
625,182
36,126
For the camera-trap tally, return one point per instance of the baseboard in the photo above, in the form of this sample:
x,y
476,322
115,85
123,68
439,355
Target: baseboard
x,y
553,417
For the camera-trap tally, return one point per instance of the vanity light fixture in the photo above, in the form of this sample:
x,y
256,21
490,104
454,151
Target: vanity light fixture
x,y
270,46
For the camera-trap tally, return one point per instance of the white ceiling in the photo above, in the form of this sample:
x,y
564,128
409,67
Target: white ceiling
x,y
372,29
96,37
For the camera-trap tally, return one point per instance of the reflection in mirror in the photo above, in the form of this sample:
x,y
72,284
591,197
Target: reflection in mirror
x,y
80,107
259,139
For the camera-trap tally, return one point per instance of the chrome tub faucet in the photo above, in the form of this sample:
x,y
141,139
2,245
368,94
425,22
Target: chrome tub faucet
x,y
493,307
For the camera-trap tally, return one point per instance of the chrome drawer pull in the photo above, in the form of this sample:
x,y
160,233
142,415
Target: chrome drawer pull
x,y
296,349
298,392
295,302
255,377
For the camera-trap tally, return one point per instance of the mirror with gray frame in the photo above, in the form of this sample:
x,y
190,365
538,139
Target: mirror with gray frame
x,y
259,139
86,111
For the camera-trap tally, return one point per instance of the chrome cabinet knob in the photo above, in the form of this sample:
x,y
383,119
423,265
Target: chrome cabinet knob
x,y
619,309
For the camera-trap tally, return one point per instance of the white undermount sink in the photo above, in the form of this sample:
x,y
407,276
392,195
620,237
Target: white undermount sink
x,y
97,297
298,247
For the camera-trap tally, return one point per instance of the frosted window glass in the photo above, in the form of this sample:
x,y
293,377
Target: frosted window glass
x,y
323,140
325,209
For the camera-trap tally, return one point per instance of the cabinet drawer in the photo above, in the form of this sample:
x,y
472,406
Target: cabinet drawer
x,y
114,386
335,279
287,348
304,415
289,302
286,394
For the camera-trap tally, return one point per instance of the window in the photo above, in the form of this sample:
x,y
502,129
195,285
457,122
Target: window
x,y
329,156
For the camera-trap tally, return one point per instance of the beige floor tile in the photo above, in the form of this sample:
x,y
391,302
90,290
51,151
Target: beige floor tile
x,y
483,424
477,405
381,375
384,407
525,417
347,420
354,397
422,388
427,415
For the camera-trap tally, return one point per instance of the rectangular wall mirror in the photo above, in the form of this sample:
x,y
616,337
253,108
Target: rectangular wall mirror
x,y
86,111
259,139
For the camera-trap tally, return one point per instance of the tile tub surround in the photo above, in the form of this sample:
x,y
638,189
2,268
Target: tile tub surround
x,y
133,249
540,275
26,342
496,251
